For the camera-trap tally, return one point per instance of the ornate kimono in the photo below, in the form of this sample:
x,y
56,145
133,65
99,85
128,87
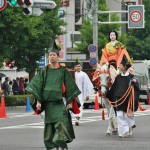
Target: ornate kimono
x,y
47,87
113,53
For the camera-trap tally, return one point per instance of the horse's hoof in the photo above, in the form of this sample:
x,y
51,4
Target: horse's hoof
x,y
114,132
108,134
77,123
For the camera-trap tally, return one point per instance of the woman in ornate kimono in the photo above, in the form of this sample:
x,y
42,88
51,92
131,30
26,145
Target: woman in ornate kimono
x,y
114,50
49,87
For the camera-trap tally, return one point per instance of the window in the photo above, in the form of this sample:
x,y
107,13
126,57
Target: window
x,y
77,10
75,37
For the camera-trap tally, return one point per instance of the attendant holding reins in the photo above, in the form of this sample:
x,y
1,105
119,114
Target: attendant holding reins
x,y
125,92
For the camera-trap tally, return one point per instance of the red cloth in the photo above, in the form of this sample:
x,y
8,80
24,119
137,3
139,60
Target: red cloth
x,y
75,109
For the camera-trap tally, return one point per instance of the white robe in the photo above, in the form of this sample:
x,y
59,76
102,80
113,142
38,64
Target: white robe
x,y
86,87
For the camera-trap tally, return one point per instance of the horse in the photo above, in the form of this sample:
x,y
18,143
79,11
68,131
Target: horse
x,y
104,77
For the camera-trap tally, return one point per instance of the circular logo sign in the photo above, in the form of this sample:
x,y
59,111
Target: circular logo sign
x,y
2,4
92,61
92,48
136,16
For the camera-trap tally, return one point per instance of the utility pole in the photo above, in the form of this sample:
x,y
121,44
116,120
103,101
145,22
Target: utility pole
x,y
95,25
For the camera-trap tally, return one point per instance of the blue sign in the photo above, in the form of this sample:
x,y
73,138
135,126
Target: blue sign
x,y
92,48
42,62
92,61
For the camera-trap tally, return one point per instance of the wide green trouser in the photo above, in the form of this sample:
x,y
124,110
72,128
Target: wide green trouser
x,y
58,134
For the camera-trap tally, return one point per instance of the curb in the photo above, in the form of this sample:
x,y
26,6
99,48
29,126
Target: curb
x,y
16,108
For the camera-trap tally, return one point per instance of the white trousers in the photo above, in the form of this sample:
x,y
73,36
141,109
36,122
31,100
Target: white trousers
x,y
124,122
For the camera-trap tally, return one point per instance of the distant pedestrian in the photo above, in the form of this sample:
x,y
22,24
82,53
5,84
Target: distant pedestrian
x,y
26,81
6,87
10,88
15,86
21,86
1,89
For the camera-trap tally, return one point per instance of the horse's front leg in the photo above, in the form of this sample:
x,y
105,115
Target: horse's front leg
x,y
109,129
113,120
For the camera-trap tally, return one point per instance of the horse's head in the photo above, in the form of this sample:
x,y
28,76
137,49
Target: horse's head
x,y
103,78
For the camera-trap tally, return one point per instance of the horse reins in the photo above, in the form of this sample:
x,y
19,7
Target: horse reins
x,y
130,93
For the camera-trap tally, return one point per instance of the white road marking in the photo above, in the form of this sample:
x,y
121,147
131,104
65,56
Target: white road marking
x,y
40,125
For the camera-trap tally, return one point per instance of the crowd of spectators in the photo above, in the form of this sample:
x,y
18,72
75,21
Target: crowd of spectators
x,y
13,87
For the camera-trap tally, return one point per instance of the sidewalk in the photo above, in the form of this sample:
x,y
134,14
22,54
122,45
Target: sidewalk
x,y
16,109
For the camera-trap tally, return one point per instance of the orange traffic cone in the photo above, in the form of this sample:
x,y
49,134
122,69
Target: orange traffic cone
x,y
96,105
3,109
140,107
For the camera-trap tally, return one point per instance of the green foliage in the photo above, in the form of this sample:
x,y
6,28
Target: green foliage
x,y
26,38
138,40
86,37
18,100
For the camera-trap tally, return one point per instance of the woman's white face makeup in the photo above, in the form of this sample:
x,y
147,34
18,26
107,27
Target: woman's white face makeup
x,y
112,36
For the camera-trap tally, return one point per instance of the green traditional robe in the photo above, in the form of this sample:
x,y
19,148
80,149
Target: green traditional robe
x,y
46,86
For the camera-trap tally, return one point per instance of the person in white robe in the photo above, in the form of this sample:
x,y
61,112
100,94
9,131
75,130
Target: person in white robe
x,y
85,86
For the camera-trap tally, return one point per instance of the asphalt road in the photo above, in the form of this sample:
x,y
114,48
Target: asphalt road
x,y
24,131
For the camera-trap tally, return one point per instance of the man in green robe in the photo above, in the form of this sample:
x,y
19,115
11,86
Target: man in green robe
x,y
48,87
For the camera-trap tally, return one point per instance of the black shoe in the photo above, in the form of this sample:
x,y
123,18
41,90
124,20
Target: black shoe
x,y
134,126
77,123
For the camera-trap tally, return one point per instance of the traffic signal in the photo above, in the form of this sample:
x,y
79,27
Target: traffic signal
x,y
65,3
34,6
25,4
12,2
27,10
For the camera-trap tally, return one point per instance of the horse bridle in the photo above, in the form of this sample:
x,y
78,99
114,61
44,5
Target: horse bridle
x,y
96,78
103,85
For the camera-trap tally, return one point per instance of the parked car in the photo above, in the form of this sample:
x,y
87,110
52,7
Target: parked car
x,y
142,73
90,103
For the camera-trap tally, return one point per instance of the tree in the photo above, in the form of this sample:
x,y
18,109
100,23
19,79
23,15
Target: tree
x,y
138,40
103,30
26,38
